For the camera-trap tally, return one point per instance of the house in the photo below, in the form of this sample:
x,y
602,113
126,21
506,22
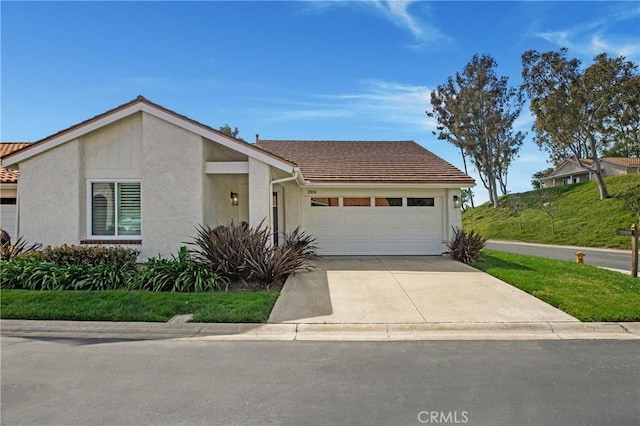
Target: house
x,y
570,172
9,190
144,176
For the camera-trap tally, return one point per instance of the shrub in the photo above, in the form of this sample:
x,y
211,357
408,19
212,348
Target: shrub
x,y
89,255
31,273
465,246
224,249
179,274
274,264
301,242
8,250
241,253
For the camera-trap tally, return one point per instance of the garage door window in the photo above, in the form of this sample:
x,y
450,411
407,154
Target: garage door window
x,y
420,202
324,202
389,202
356,202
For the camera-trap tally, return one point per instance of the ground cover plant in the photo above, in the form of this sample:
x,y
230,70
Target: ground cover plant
x,y
583,291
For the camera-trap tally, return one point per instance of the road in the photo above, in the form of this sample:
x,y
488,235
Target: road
x,y
98,382
615,259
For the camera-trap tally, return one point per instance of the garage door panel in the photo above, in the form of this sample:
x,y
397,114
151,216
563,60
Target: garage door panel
x,y
376,230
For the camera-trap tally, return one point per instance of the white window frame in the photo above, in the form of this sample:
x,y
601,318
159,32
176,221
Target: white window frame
x,y
89,214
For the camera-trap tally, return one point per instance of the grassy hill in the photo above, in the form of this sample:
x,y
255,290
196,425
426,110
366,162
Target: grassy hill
x,y
581,218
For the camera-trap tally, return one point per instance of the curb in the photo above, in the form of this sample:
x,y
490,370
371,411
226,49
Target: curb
x,y
320,332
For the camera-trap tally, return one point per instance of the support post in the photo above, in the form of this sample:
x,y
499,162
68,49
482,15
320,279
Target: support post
x,y
634,250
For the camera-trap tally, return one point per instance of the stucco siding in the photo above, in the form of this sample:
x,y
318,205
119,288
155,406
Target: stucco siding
x,y
610,169
115,151
172,186
259,196
217,201
52,196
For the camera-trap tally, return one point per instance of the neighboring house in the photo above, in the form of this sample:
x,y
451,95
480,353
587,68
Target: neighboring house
x,y
570,172
9,191
144,176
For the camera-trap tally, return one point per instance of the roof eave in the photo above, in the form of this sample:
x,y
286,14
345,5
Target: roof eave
x,y
143,105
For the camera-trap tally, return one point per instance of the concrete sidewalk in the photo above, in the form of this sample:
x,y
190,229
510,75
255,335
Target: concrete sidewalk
x,y
545,330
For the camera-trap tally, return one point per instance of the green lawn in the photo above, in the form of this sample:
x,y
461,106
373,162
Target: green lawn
x,y
583,291
136,305
581,218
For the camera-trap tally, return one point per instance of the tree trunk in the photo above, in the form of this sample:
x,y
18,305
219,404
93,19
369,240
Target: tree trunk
x,y
464,162
599,180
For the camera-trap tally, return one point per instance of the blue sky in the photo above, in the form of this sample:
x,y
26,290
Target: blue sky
x,y
286,70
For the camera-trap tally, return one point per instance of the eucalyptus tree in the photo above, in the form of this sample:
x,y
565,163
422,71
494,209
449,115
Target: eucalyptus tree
x,y
475,111
579,113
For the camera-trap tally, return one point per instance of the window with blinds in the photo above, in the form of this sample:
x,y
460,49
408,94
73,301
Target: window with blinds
x,y
115,209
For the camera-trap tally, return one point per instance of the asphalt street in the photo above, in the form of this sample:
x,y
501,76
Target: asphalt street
x,y
98,382
606,258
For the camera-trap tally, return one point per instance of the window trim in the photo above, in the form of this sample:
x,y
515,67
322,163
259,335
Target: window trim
x,y
89,212
433,198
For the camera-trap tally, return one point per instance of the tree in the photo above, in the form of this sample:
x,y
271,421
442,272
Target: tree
x,y
475,111
226,129
547,203
517,205
576,111
466,199
537,177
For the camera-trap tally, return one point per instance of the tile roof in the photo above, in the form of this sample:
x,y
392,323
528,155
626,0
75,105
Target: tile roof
x,y
623,161
6,148
366,162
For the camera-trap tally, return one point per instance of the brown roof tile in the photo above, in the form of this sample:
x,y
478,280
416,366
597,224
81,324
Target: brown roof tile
x,y
623,161
366,161
6,148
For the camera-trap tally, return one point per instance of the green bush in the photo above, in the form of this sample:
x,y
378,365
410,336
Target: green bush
x,y
465,246
88,255
30,273
179,274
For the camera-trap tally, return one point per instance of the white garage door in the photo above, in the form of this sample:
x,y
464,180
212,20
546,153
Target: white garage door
x,y
8,219
375,225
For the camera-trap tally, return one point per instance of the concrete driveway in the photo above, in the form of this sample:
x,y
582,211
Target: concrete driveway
x,y
404,289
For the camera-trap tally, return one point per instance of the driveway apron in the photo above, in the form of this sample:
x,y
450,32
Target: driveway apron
x,y
404,289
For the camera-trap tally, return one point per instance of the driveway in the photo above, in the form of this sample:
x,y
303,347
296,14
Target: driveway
x,y
404,289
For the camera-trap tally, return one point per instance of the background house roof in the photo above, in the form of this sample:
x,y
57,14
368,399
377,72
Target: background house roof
x,y
6,148
623,161
366,161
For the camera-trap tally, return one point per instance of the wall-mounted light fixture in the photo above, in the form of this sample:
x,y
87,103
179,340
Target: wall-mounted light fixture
x,y
456,202
234,198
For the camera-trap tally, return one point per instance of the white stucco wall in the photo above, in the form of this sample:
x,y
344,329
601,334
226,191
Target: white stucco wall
x,y
259,195
172,186
115,151
217,199
52,196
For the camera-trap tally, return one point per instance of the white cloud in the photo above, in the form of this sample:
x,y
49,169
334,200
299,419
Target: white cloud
x,y
397,12
597,36
375,101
